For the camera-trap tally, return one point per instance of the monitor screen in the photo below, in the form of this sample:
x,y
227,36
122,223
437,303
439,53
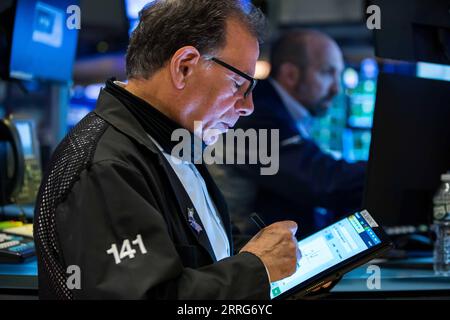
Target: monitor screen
x,y
134,6
413,30
26,137
409,151
362,104
43,46
433,71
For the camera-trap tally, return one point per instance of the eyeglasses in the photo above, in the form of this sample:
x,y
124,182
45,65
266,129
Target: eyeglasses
x,y
253,81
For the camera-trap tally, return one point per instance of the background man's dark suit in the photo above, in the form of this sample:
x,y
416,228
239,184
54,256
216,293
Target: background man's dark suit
x,y
307,177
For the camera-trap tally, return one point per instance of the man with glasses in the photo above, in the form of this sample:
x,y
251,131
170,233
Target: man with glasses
x,y
116,203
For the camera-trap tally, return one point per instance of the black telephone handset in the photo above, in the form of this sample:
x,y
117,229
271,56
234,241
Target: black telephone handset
x,y
11,170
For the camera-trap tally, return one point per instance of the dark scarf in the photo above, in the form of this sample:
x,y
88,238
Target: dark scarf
x,y
155,123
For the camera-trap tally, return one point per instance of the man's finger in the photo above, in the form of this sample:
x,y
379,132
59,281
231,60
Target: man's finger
x,y
291,225
326,285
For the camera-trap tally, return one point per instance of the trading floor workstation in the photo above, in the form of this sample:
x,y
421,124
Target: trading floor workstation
x,y
392,110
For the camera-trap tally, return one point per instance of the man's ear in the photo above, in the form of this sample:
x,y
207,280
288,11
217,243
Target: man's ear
x,y
182,65
289,75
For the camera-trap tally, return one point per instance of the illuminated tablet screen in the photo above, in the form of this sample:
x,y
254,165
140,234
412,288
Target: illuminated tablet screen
x,y
328,247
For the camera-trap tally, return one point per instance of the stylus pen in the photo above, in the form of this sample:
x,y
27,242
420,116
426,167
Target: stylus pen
x,y
261,225
257,220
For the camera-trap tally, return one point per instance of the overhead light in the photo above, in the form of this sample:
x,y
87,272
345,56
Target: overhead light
x,y
262,69
350,78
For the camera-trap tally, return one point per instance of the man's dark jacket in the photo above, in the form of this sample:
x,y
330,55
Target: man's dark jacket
x,y
307,176
106,185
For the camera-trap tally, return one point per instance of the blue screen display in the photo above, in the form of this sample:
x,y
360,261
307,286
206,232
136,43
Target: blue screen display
x,y
433,71
134,6
43,46
328,247
26,137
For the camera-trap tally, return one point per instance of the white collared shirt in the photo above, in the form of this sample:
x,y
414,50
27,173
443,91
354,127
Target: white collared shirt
x,y
299,113
195,186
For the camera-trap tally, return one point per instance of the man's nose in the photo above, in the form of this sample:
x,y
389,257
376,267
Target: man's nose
x,y
245,106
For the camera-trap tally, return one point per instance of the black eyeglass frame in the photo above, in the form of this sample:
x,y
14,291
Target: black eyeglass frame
x,y
253,81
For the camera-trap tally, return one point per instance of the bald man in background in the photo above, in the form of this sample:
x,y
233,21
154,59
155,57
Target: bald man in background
x,y
305,77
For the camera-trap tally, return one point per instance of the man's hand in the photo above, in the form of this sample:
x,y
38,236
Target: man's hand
x,y
277,248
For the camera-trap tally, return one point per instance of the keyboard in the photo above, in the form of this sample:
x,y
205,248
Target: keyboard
x,y
25,230
15,249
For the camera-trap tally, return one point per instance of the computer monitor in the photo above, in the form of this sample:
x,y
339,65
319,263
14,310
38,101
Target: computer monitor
x,y
25,129
43,46
20,170
433,71
132,8
410,149
413,30
362,103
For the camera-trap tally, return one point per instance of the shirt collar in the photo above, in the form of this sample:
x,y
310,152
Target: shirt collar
x,y
298,112
123,85
156,124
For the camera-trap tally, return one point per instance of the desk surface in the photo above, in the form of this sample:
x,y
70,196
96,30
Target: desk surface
x,y
412,275
398,275
19,276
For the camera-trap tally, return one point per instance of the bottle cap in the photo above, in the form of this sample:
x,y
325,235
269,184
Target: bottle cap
x,y
446,177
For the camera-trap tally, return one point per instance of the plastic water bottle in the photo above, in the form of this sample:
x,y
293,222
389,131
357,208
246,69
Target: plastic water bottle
x,y
441,213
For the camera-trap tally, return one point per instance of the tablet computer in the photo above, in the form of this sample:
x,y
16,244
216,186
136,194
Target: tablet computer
x,y
333,251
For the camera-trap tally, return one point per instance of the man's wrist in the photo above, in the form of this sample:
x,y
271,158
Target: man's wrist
x,y
265,267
